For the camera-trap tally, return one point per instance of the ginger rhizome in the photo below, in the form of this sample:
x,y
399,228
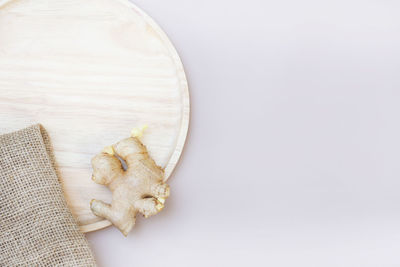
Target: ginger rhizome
x,y
137,189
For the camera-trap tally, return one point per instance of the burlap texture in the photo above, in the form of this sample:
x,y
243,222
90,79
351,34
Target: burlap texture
x,y
36,226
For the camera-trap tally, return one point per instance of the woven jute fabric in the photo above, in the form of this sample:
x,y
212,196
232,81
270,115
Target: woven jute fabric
x,y
36,226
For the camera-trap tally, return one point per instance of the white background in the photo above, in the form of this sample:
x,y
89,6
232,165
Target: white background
x,y
293,153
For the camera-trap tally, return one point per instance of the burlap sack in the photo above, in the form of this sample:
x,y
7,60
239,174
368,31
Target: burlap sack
x,y
36,226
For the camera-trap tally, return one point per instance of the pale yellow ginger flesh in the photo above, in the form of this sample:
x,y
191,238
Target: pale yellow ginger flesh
x,y
138,189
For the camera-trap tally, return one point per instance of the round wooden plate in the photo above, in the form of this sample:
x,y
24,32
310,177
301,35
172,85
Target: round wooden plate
x,y
90,71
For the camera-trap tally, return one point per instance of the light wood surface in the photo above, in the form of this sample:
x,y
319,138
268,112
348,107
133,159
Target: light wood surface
x,y
89,71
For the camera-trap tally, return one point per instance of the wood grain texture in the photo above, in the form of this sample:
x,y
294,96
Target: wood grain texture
x,y
89,71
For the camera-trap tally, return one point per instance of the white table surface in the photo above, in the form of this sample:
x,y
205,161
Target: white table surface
x,y
293,153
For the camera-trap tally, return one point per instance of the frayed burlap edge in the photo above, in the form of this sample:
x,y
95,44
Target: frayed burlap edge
x,y
36,226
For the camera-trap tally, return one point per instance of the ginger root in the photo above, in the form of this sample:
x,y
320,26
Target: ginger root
x,y
138,189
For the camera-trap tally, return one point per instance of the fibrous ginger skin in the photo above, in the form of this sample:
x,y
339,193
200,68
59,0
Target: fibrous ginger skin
x,y
139,188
